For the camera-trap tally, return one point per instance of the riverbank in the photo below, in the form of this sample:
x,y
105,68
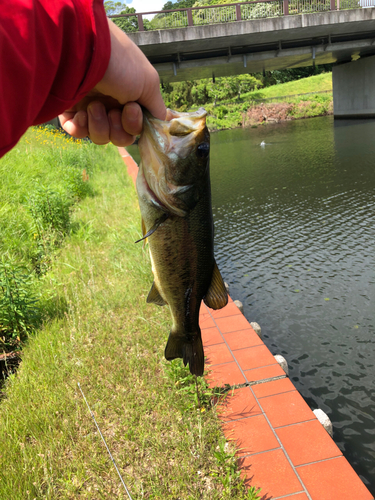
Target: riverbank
x,y
252,115
305,98
96,329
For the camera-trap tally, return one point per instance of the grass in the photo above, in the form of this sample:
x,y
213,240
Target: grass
x,y
96,329
42,180
315,83
236,114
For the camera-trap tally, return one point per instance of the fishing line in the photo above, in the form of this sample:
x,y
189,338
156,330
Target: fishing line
x,y
101,435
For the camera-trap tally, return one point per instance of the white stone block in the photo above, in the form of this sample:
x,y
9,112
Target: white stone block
x,y
282,362
257,329
239,305
324,420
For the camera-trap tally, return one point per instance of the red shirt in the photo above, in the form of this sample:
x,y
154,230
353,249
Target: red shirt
x,y
52,53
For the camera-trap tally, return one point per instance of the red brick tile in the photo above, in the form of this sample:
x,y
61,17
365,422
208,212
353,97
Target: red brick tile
x,y
239,403
273,387
206,322
232,323
272,472
218,354
333,480
211,336
299,496
254,357
229,310
242,339
264,373
251,435
287,408
131,165
307,442
229,373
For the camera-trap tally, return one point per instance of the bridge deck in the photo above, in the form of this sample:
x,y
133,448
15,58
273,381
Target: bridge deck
x,y
263,44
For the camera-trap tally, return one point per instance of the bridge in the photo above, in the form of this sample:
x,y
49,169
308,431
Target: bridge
x,y
263,35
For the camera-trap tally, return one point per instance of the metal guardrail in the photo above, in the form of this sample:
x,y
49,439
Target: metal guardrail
x,y
232,12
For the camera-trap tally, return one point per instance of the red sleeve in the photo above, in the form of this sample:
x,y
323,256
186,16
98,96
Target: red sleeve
x,y
52,53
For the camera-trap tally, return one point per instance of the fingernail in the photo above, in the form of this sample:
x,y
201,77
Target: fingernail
x,y
96,110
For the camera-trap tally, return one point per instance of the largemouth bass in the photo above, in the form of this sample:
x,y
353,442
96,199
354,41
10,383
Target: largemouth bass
x,y
174,193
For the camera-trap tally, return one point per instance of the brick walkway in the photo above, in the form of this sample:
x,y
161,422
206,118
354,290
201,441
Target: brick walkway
x,y
283,448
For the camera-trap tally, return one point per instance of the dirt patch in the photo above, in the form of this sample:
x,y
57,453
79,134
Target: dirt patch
x,y
282,111
271,113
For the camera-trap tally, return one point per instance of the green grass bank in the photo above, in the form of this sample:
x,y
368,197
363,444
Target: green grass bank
x,y
280,102
93,326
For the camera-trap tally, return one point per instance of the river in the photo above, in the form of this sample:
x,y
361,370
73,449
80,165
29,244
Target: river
x,y
294,212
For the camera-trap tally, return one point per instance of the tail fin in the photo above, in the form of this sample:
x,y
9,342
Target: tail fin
x,y
190,350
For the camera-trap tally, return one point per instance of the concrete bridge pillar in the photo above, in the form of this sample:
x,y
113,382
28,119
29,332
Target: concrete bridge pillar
x,y
354,89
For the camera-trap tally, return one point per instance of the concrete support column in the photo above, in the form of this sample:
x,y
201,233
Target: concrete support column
x,y
354,89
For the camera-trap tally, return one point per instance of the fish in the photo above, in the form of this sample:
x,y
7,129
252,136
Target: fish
x,y
174,194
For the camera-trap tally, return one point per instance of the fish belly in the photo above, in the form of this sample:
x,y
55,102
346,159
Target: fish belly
x,y
182,259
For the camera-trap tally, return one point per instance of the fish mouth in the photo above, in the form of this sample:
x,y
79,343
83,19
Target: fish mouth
x,y
175,124
163,143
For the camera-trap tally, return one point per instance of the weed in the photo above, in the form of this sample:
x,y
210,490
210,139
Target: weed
x,y
194,389
17,305
77,183
229,475
50,211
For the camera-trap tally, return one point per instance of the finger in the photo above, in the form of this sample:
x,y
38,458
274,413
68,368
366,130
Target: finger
x,y
98,123
132,118
74,123
117,134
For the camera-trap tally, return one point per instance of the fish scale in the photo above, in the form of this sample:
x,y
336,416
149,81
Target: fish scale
x,y
174,194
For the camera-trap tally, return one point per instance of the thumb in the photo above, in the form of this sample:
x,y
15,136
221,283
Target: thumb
x,y
151,97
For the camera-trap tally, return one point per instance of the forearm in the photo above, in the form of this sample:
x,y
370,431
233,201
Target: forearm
x,y
51,54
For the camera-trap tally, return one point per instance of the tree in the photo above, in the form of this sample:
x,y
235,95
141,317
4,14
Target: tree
x,y
128,24
180,4
112,8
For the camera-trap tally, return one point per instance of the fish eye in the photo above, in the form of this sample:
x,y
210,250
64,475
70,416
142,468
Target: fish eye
x,y
203,150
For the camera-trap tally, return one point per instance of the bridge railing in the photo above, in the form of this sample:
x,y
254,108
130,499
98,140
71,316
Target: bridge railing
x,y
225,13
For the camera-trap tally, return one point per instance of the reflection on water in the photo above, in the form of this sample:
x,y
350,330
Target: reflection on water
x,y
294,210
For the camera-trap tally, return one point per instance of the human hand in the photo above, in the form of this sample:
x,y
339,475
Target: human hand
x,y
111,111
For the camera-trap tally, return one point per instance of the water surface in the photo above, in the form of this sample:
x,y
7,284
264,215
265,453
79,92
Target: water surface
x,y
294,211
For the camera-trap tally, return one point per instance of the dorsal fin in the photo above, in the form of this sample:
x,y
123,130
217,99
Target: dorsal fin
x,y
216,296
154,296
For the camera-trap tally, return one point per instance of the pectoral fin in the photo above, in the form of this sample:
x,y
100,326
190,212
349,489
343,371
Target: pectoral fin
x,y
159,221
216,296
154,297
